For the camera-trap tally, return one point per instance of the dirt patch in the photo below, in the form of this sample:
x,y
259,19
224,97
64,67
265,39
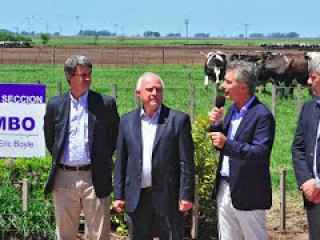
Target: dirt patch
x,y
296,227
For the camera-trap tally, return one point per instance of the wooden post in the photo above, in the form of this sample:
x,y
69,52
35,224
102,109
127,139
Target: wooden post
x,y
299,98
283,200
136,101
53,58
191,102
215,93
115,91
59,88
195,210
274,100
2,55
162,55
25,195
131,59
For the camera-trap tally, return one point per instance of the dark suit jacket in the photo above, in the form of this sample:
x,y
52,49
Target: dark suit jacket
x,y
103,121
304,144
172,161
249,153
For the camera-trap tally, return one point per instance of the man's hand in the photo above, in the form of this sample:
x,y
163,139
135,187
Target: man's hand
x,y
118,205
216,115
218,139
310,190
185,205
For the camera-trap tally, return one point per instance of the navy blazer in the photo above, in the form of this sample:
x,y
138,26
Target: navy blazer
x,y
103,122
304,144
172,161
249,152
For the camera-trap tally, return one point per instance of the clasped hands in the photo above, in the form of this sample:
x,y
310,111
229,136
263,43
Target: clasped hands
x,y
184,205
310,190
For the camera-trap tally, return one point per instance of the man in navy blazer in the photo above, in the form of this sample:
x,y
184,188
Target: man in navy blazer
x,y
306,154
154,169
81,128
244,139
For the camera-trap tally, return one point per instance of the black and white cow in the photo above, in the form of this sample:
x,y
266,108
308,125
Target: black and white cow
x,y
214,67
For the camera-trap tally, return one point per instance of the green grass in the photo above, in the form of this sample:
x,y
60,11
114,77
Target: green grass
x,y
121,40
178,79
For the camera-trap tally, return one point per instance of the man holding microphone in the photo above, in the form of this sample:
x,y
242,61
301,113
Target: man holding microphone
x,y
244,139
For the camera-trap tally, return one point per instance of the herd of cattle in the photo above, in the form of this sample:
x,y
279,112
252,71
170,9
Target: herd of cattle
x,y
276,68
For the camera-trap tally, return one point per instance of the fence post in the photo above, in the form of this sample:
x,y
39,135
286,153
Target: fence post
x,y
136,101
25,195
191,101
115,91
162,55
274,99
299,98
215,93
195,210
131,59
53,58
59,88
2,49
283,200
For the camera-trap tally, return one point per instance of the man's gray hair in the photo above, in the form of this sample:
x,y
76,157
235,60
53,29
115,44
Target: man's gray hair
x,y
139,83
314,65
246,72
71,64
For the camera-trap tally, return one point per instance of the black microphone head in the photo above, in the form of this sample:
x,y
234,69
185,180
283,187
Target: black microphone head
x,y
220,101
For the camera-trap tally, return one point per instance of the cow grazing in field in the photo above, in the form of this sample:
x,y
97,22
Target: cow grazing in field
x,y
286,70
214,67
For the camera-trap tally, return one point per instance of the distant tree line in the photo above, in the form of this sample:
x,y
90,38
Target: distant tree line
x,y
275,35
88,32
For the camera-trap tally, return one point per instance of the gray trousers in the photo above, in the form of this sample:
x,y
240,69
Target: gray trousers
x,y
313,216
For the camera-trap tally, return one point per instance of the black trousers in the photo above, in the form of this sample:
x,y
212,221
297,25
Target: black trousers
x,y
144,223
313,215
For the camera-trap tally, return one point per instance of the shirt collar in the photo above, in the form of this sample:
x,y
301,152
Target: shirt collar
x,y
155,115
245,107
82,99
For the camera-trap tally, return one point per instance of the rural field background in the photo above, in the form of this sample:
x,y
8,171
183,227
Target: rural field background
x,y
180,67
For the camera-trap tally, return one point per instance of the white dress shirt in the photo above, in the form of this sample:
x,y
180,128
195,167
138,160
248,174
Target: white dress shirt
x,y
233,127
76,151
148,132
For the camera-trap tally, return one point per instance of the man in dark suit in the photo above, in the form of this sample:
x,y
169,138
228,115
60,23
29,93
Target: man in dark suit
x,y
244,139
154,169
306,154
81,128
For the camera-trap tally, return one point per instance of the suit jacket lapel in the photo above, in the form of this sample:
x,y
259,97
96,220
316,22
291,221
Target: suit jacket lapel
x,y
137,131
64,110
315,120
162,123
91,118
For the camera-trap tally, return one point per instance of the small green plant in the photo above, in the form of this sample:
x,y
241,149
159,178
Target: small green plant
x,y
45,37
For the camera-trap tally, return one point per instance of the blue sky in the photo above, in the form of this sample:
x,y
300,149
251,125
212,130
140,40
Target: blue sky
x,y
133,17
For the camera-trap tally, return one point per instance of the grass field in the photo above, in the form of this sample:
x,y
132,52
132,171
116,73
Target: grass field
x,y
122,40
178,79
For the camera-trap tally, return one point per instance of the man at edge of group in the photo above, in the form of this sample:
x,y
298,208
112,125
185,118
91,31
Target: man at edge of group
x,y
81,128
244,139
154,169
306,154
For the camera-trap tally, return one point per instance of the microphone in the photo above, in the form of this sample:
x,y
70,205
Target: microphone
x,y
220,101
